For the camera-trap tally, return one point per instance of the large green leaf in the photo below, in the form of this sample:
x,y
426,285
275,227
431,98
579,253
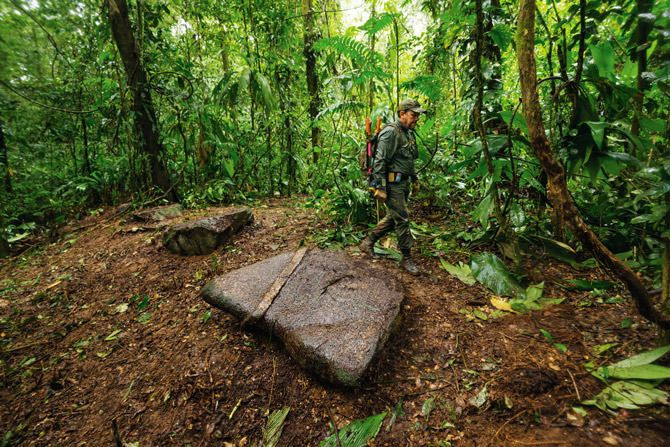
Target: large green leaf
x,y
483,210
274,427
645,372
229,167
597,132
557,249
263,91
460,271
629,395
587,286
643,358
357,433
388,253
519,120
603,56
489,270
501,35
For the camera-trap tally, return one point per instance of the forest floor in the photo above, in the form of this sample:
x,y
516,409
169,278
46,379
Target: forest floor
x,y
103,330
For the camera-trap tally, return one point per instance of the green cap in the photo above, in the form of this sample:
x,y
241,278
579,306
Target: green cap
x,y
410,104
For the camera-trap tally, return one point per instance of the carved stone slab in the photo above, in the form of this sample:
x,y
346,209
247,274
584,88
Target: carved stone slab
x,y
332,313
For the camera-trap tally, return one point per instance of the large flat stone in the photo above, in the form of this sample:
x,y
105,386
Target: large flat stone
x,y
333,313
203,236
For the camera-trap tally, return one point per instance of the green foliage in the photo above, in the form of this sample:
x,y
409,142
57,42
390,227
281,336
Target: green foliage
x,y
358,53
489,270
640,377
357,433
460,271
236,119
274,427
378,23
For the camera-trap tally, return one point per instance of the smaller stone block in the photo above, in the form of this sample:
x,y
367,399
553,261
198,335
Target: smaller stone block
x,y
203,236
158,213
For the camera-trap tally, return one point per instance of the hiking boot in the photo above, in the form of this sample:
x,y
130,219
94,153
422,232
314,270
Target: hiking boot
x,y
367,247
410,266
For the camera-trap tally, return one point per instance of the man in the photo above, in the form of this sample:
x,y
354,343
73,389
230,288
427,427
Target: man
x,y
393,170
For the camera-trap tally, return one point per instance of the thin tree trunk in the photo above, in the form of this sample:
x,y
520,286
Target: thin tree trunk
x,y
84,130
310,37
146,124
582,42
4,245
557,187
371,85
640,55
573,88
4,161
665,282
396,32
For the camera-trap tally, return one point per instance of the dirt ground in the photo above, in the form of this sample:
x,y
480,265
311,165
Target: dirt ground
x,y
104,341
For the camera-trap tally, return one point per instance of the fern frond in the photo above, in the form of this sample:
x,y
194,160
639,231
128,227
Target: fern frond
x,y
426,85
357,52
341,107
377,23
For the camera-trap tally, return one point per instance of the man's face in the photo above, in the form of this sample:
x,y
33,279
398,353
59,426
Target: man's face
x,y
409,118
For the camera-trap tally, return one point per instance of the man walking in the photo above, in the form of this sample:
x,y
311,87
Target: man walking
x,y
393,170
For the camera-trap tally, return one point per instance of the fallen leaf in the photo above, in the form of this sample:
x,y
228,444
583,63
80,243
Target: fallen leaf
x,y
501,304
121,308
480,398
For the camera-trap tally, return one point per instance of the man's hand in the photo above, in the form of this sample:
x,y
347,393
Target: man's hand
x,y
380,195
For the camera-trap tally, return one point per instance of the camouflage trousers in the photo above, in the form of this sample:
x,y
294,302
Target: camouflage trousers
x,y
397,216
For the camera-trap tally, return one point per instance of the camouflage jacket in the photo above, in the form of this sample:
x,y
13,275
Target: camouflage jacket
x,y
396,152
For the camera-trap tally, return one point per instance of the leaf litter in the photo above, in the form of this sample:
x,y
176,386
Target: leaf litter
x,y
168,378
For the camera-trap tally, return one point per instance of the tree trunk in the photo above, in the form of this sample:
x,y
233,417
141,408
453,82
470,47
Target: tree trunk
x,y
396,33
4,161
557,187
310,37
371,85
84,130
4,245
642,34
146,124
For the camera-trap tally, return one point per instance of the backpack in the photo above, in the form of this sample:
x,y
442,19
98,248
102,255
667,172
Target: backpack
x,y
366,156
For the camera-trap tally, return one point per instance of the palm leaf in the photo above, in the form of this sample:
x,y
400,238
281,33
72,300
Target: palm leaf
x,y
274,427
263,90
357,433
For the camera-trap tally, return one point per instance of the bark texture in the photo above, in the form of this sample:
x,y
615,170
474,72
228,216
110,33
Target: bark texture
x,y
4,161
312,77
557,189
642,35
146,124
